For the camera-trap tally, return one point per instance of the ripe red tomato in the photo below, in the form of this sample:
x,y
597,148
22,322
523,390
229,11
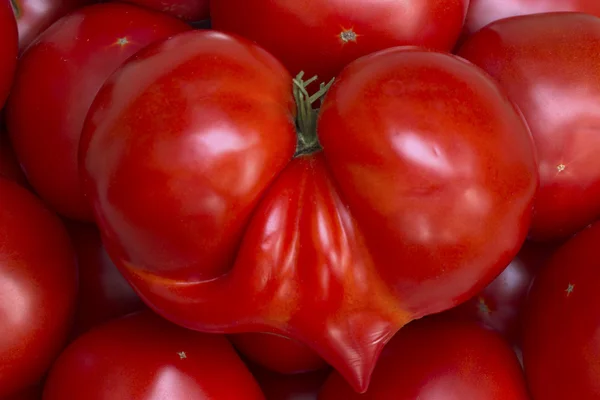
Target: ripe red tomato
x,y
38,286
499,305
103,292
277,353
303,386
438,358
33,393
209,217
143,357
321,37
561,335
483,12
8,49
187,10
548,63
9,165
58,77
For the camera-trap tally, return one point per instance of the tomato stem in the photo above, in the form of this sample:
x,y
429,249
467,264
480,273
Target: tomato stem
x,y
306,120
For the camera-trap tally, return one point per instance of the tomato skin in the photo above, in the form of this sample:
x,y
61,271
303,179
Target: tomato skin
x,y
59,76
438,358
304,386
8,49
561,339
290,248
9,165
306,35
277,353
187,10
548,65
143,357
38,286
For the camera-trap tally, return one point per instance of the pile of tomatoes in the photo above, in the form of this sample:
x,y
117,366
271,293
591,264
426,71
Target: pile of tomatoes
x,y
312,199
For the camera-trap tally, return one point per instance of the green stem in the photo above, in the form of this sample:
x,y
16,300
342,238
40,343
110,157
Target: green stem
x,y
306,120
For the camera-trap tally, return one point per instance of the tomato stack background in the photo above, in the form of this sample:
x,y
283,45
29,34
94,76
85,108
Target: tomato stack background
x,y
299,200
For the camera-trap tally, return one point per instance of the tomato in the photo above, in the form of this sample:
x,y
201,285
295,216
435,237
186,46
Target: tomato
x,y
437,358
9,165
561,340
304,386
143,357
188,10
548,65
8,49
187,158
277,353
33,393
103,292
484,12
35,16
320,37
499,305
58,77
38,286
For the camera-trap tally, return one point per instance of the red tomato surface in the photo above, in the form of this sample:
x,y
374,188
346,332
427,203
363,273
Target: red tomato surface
x,y
483,12
438,358
548,63
9,165
561,335
143,357
58,77
499,305
35,16
38,286
103,292
303,386
403,214
8,49
277,353
33,393
188,10
321,36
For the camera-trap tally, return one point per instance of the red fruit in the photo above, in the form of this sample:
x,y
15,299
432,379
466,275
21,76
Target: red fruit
x,y
38,287
58,78
303,386
9,165
187,10
8,49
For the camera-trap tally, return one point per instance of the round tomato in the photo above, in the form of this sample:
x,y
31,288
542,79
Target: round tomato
x,y
38,287
187,10
208,214
9,165
143,357
277,353
8,49
548,64
437,358
320,37
561,333
58,77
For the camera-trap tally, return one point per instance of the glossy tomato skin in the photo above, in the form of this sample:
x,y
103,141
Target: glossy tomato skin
x,y
321,37
238,237
38,287
277,353
561,343
187,10
8,49
58,77
143,357
438,358
103,292
483,12
548,65
9,165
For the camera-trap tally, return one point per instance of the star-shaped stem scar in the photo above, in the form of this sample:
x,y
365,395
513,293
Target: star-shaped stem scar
x,y
182,355
569,289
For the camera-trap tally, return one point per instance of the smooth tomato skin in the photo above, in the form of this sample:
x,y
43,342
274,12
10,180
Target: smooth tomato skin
x,y
33,393
9,165
187,10
304,386
240,237
561,333
104,294
307,35
547,63
484,12
277,353
38,287
8,49
58,77
143,357
439,358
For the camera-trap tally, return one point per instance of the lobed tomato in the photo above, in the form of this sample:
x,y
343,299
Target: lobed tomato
x,y
143,357
187,10
58,77
38,287
547,63
437,358
561,339
8,49
321,37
